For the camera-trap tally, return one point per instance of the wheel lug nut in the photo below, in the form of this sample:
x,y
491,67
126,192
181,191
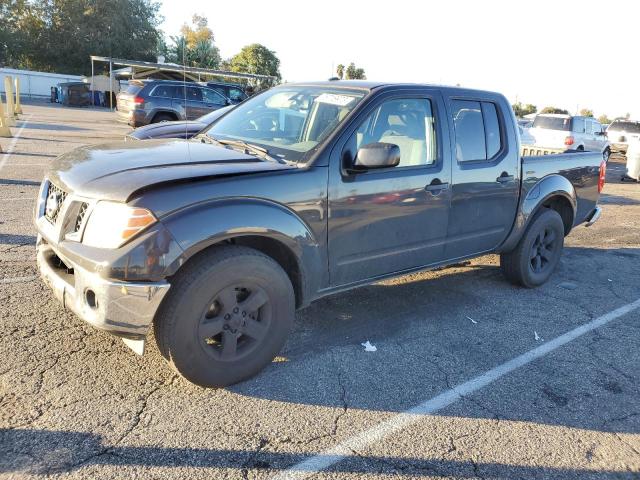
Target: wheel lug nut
x,y
244,314
235,310
227,316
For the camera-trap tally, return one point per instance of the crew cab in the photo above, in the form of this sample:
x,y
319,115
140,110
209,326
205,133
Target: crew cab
x,y
299,192
566,132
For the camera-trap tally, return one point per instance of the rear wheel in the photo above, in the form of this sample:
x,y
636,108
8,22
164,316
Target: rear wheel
x,y
162,117
226,316
537,254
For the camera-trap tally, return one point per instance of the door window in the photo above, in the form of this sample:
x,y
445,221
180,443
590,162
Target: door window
x,y
579,125
236,94
408,123
194,94
477,130
211,96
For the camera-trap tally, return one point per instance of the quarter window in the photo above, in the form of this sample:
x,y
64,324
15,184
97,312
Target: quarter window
x,y
409,124
477,130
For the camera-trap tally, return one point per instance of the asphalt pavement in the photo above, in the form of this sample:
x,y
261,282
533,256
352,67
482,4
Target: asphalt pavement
x,y
471,378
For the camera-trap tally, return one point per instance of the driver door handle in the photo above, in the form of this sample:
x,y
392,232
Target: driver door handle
x,y
435,187
504,178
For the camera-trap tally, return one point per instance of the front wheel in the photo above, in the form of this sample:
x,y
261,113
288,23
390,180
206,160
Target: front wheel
x,y
537,254
226,316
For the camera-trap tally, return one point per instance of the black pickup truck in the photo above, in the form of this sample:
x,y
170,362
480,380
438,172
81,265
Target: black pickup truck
x,y
299,192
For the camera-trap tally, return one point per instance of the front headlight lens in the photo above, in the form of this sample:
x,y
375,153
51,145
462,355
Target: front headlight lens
x,y
111,224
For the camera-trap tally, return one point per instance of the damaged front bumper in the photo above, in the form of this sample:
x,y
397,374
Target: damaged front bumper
x,y
125,309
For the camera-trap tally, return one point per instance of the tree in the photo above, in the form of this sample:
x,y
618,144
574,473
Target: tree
x,y
60,35
256,59
585,112
195,45
340,71
353,73
603,119
521,110
554,110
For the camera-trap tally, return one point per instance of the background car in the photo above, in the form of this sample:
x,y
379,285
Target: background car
x,y
178,129
153,101
567,132
621,132
233,91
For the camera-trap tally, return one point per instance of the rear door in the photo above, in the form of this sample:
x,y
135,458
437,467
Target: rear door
x,y
189,102
394,219
485,175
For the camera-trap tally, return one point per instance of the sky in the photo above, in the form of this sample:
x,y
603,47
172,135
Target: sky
x,y
565,53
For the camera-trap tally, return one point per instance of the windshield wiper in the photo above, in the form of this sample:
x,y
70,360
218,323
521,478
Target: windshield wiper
x,y
246,148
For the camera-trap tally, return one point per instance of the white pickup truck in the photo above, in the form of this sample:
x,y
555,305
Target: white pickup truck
x,y
566,132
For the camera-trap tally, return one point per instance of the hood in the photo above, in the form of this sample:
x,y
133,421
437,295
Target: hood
x,y
117,171
167,130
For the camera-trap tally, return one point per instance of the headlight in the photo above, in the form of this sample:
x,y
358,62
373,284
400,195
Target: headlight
x,y
111,224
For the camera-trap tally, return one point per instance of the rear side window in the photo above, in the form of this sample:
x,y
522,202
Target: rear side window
x,y
477,130
165,91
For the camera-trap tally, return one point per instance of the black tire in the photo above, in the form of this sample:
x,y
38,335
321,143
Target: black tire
x,y
226,293
163,117
537,254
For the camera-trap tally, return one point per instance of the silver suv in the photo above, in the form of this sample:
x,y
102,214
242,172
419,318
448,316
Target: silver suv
x,y
152,101
621,132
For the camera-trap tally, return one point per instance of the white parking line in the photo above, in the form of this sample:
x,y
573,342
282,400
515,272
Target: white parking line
x,y
12,145
11,199
402,420
18,279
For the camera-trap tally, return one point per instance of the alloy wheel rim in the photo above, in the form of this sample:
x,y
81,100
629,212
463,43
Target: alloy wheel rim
x,y
235,321
542,250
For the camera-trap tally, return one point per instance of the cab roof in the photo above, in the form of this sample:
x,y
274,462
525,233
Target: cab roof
x,y
370,85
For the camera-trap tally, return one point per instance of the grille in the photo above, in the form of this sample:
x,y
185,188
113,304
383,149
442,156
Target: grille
x,y
81,213
53,205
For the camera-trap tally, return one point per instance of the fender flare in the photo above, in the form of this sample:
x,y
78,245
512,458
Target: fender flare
x,y
200,226
541,192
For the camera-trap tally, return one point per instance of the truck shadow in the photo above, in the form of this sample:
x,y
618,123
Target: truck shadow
x,y
44,452
445,329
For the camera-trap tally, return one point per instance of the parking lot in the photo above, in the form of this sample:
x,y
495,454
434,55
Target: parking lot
x,y
472,377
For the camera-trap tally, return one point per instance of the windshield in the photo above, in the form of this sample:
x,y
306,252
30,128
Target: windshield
x,y
287,121
629,127
552,123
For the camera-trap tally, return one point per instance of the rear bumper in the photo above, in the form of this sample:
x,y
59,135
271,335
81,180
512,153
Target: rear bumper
x,y
125,309
135,118
593,216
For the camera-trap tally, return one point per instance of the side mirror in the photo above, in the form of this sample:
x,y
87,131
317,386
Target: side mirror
x,y
377,155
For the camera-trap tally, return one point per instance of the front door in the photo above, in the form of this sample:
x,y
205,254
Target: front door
x,y
389,220
486,183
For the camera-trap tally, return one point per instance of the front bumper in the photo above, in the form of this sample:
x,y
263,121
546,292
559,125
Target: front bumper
x,y
125,309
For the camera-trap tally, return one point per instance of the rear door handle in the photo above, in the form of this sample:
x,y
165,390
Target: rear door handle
x,y
504,178
436,188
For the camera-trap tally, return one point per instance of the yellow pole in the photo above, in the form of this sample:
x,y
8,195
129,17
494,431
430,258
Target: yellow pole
x,y
18,107
8,91
4,128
